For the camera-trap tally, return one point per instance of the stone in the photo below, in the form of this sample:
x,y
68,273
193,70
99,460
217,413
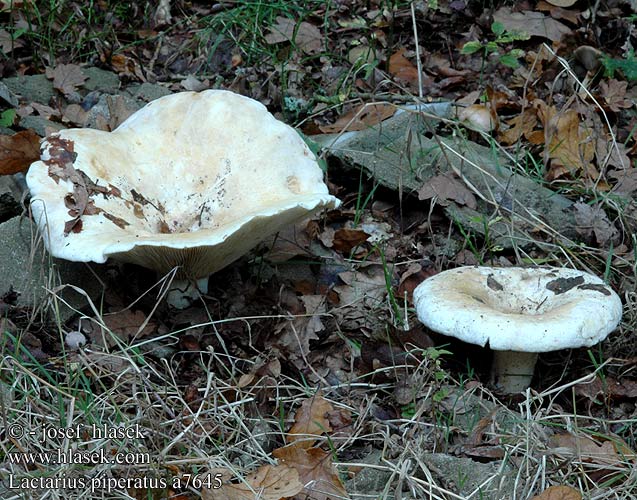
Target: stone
x,y
32,88
398,154
100,80
147,91
28,269
39,125
8,96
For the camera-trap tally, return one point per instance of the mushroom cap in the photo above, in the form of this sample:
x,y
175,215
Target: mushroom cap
x,y
192,179
519,309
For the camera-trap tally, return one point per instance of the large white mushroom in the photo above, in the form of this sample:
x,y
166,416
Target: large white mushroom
x,y
192,181
518,312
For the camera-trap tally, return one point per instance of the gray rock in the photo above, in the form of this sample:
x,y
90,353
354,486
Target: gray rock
x,y
33,88
40,124
398,154
28,269
101,80
147,91
8,96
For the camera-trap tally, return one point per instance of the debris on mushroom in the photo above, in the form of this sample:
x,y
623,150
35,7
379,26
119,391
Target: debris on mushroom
x,y
518,313
192,180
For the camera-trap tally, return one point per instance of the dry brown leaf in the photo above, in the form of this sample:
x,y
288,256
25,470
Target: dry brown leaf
x,y
531,23
626,181
127,66
75,114
360,118
66,77
293,336
18,151
571,16
402,69
305,36
345,240
559,493
610,153
609,452
614,94
310,420
315,470
522,125
446,187
123,324
8,5
571,147
593,221
608,388
268,482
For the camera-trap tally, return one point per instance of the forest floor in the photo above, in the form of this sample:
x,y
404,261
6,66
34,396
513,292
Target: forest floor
x,y
304,372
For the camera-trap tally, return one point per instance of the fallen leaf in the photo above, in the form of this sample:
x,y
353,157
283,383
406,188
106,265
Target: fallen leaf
x,y
18,151
66,77
8,5
310,420
125,325
402,69
614,94
268,482
75,114
626,181
360,118
521,125
7,43
608,388
559,493
593,221
531,23
446,187
572,16
345,240
127,66
294,336
570,146
315,470
611,153
305,36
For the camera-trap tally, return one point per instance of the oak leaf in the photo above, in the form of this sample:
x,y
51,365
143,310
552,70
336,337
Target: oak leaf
x,y
305,36
66,77
18,151
268,482
316,472
559,493
311,420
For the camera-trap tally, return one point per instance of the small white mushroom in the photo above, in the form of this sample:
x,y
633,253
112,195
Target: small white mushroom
x,y
518,312
192,180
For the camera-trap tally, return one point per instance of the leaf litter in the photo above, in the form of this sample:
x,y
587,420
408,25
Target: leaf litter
x,y
333,314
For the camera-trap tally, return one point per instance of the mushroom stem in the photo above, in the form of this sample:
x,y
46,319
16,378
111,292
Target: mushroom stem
x,y
512,371
183,292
